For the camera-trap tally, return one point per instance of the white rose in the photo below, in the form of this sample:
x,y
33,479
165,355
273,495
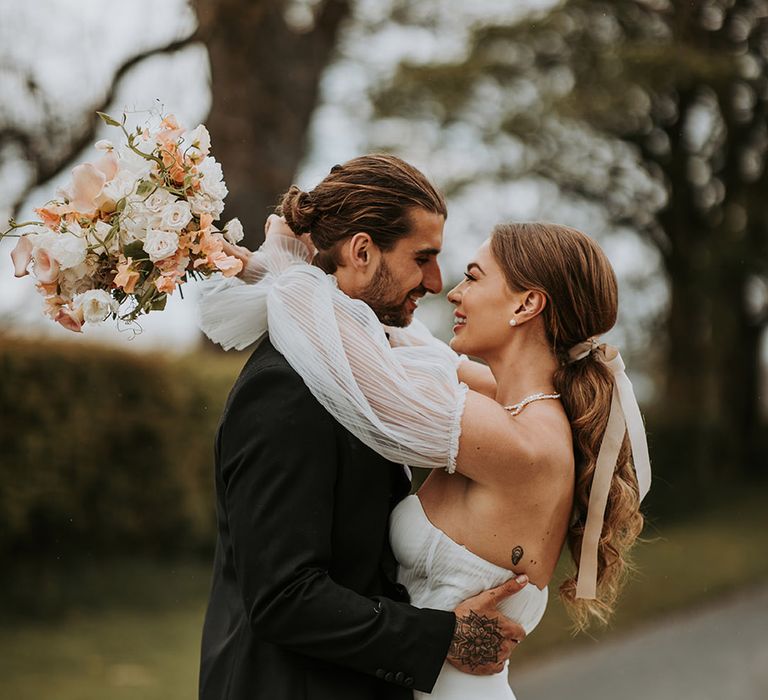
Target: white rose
x,y
156,202
134,228
96,305
233,231
176,216
203,204
200,141
143,213
42,238
136,166
160,244
121,185
212,179
69,247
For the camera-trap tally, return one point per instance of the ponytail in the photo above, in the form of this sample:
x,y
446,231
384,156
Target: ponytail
x,y
582,293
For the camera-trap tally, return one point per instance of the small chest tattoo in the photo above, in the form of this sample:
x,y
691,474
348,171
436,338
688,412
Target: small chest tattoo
x,y
517,555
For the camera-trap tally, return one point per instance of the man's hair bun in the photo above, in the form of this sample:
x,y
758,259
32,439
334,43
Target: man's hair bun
x,y
298,209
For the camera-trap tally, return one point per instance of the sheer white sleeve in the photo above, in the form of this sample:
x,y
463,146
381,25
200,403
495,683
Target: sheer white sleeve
x,y
404,402
233,312
417,334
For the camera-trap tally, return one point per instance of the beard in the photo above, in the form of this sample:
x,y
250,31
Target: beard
x,y
382,296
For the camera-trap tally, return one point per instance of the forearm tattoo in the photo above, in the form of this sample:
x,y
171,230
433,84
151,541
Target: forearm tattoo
x,y
517,555
477,640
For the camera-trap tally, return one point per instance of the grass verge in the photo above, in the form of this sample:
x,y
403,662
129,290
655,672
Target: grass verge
x,y
131,630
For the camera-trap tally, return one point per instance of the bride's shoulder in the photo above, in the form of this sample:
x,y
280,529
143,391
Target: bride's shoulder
x,y
498,447
550,436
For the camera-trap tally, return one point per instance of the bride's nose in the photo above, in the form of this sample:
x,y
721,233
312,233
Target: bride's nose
x,y
454,296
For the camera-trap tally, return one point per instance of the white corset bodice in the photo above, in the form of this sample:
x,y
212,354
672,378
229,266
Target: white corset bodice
x,y
440,573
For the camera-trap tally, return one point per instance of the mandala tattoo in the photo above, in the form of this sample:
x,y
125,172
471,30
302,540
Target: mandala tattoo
x,y
517,555
477,641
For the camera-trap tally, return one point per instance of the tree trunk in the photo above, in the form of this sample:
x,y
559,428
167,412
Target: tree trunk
x,y
713,369
689,413
736,350
265,81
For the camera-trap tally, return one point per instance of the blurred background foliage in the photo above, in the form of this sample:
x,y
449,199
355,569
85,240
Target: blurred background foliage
x,y
658,111
642,121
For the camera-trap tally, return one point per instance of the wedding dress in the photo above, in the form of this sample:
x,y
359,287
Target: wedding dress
x,y
405,402
440,574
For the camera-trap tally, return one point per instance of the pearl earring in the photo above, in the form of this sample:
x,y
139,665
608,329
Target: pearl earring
x,y
513,322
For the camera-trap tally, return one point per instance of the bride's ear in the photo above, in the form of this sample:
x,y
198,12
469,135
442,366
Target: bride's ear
x,y
361,252
531,305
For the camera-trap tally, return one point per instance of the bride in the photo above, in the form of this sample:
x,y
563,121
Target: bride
x,y
540,450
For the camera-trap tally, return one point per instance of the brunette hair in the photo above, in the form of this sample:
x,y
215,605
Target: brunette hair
x,y
571,270
373,193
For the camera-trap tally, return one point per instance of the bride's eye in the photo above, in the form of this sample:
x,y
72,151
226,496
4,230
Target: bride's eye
x,y
470,278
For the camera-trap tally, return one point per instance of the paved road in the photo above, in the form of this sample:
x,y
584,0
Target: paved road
x,y
718,653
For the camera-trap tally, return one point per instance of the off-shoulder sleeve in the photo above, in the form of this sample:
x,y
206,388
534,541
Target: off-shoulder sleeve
x,y
404,402
233,312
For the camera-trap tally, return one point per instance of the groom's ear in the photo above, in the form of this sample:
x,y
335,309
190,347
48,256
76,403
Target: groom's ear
x,y
361,251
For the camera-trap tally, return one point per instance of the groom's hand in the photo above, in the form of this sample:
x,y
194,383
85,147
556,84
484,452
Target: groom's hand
x,y
484,638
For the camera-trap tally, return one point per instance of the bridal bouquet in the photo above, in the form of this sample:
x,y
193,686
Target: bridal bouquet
x,y
129,228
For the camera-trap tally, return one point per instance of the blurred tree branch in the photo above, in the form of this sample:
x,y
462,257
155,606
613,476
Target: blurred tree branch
x,y
36,151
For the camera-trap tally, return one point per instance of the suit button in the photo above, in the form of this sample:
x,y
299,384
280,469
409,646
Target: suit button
x,y
388,676
380,673
399,676
377,608
408,682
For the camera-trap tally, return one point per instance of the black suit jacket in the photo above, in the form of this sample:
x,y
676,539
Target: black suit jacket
x,y
304,602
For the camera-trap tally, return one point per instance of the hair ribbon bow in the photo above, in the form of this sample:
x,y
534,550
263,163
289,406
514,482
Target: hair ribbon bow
x,y
624,418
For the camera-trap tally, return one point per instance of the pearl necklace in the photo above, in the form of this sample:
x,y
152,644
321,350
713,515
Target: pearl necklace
x,y
514,409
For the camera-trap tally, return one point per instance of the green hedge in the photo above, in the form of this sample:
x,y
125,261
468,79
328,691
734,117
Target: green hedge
x,y
107,452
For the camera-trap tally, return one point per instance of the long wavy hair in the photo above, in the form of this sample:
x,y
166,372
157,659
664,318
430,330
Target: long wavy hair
x,y
571,270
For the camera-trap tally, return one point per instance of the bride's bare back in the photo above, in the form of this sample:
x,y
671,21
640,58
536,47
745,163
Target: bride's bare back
x,y
517,522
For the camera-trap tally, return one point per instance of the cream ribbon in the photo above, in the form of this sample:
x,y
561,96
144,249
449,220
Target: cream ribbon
x,y
624,416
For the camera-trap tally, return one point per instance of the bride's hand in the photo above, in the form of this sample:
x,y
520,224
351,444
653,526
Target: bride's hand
x,y
240,252
274,226
277,226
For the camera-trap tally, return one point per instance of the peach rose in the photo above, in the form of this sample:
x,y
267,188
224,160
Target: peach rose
x,y
227,264
49,218
166,283
46,267
170,130
71,320
206,220
21,256
126,278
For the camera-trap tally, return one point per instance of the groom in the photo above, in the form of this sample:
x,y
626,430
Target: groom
x,y
304,600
